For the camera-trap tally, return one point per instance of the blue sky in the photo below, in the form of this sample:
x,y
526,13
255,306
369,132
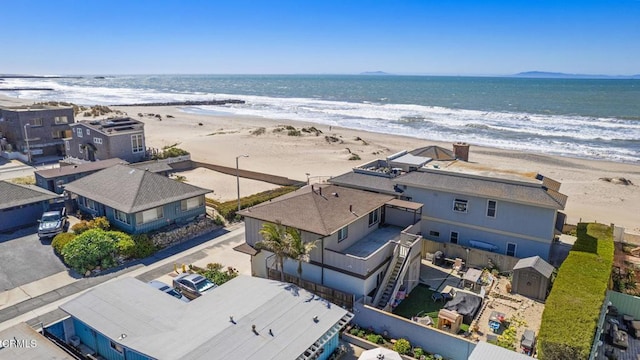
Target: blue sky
x,y
320,37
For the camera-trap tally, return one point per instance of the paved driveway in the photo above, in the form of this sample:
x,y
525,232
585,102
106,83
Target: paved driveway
x,y
24,259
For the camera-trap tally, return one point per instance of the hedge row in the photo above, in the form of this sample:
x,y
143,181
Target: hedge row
x,y
228,209
573,307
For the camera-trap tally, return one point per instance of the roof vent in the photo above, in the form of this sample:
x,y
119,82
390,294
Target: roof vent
x,y
231,319
315,319
335,194
253,328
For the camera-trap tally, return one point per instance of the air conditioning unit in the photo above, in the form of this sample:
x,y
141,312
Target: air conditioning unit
x,y
74,341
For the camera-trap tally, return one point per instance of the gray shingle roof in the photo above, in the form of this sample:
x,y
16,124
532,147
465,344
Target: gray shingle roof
x,y
493,188
320,212
434,152
165,328
80,168
15,195
537,263
131,190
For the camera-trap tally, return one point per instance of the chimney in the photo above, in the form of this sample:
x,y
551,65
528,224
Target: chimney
x,y
320,190
461,151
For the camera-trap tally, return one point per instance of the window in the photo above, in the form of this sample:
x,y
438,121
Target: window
x,y
67,146
146,216
343,233
136,143
122,217
492,206
97,140
374,217
460,205
454,237
58,134
88,132
192,203
511,249
434,233
80,148
61,120
91,204
79,132
116,347
35,122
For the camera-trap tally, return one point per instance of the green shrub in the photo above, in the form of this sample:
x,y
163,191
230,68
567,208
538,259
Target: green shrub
x,y
97,223
354,331
228,209
218,220
402,346
354,157
144,247
216,273
169,152
92,248
124,243
375,338
258,131
417,352
294,132
60,241
572,309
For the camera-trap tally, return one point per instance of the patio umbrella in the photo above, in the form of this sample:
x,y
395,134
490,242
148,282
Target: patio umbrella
x,y
379,354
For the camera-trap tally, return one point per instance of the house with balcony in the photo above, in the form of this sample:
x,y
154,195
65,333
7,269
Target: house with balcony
x,y
136,200
367,244
245,318
35,129
474,206
93,140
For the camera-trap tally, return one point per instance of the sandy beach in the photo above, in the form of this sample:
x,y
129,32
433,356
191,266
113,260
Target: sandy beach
x,y
219,139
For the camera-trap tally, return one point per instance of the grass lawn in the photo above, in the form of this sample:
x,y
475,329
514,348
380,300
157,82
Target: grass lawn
x,y
419,302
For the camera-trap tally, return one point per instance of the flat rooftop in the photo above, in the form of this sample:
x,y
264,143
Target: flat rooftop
x,y
112,126
372,242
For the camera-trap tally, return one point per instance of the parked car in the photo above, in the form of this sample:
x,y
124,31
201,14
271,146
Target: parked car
x,y
528,342
193,285
52,223
168,289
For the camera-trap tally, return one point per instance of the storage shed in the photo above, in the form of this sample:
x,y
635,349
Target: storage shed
x,y
531,277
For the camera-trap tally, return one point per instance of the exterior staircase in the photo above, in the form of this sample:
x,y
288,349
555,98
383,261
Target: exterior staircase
x,y
393,277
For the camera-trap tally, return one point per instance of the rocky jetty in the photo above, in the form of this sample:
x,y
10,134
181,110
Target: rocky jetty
x,y
190,103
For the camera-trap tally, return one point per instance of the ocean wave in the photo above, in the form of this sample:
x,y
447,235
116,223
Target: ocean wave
x,y
580,136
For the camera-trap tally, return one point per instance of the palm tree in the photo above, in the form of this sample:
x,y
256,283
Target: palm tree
x,y
298,249
275,240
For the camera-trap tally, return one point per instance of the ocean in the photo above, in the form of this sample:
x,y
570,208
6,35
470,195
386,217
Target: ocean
x,y
587,118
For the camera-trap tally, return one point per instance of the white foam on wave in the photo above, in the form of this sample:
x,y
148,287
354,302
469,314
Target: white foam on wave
x,y
604,138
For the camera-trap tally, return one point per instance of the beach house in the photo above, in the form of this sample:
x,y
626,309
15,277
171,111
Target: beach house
x,y
137,200
35,130
245,318
93,140
367,244
55,179
506,212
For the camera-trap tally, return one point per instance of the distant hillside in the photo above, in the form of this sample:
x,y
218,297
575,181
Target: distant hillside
x,y
559,75
374,73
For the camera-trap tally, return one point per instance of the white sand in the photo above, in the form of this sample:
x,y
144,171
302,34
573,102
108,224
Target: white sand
x,y
221,138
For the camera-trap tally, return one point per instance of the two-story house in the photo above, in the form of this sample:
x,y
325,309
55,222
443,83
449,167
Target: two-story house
x,y
502,211
514,217
367,244
93,140
36,130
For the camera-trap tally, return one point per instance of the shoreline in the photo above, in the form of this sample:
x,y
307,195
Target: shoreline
x,y
220,138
